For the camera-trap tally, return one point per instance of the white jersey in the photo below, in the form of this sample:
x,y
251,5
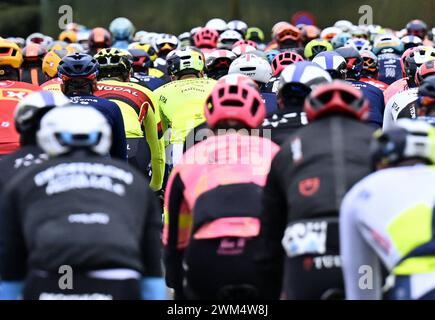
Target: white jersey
x,y
401,105
383,218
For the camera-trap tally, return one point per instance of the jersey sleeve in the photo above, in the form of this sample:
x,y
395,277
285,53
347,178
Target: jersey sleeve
x,y
388,116
156,147
119,141
176,230
360,264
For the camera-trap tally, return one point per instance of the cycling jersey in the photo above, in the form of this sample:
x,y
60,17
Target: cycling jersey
x,y
378,84
388,217
11,92
141,123
270,100
85,211
401,105
121,44
389,67
113,115
376,99
216,183
52,85
396,87
281,124
181,105
308,179
150,82
32,74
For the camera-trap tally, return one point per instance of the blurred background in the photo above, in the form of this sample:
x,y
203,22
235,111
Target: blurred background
x,y
22,17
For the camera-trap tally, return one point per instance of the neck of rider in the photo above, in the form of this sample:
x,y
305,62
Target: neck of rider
x,y
188,76
404,163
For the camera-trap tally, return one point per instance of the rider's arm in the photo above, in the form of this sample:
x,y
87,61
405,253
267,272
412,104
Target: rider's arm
x,y
360,264
176,231
388,116
157,150
153,286
119,146
273,223
13,251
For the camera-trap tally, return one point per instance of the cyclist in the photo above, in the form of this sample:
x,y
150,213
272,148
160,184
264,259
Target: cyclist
x,y
219,244
122,30
99,38
370,71
287,36
11,92
78,74
278,64
181,101
141,66
31,69
378,226
257,35
333,63
303,192
51,62
165,43
86,211
404,104
410,61
426,99
259,70
27,116
295,83
218,63
139,112
355,65
149,49
314,47
388,49
206,39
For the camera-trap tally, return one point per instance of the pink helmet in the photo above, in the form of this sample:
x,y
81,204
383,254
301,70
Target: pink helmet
x,y
231,100
249,42
284,59
206,38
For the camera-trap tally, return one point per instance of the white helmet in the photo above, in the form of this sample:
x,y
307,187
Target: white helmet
x,y
359,44
63,129
139,35
166,42
34,105
329,33
242,49
217,24
305,72
252,66
344,25
228,38
238,25
39,38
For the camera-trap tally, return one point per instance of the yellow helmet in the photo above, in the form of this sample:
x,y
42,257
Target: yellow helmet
x,y
147,48
69,36
113,61
52,59
10,54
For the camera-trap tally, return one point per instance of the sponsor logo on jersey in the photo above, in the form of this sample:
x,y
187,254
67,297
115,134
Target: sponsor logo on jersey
x,y
309,186
305,238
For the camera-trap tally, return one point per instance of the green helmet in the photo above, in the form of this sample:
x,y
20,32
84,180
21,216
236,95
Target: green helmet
x,y
316,46
254,34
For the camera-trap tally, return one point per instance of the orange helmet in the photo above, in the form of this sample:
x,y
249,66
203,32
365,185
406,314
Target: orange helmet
x,y
34,52
52,59
69,36
99,38
286,32
310,32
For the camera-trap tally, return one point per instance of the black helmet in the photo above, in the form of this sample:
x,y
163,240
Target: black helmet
x,y
78,65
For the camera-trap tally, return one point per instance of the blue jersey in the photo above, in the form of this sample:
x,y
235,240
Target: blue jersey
x,y
149,82
389,66
121,44
114,116
270,101
376,99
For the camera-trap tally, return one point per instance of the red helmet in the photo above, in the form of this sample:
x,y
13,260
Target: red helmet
x,y
405,55
206,38
336,96
100,38
248,42
284,59
235,100
426,69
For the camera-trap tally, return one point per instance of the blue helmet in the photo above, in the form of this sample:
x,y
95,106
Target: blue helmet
x,y
332,62
340,39
270,55
122,29
78,65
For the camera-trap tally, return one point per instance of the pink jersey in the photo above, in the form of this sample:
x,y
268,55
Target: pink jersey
x,y
396,87
219,161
